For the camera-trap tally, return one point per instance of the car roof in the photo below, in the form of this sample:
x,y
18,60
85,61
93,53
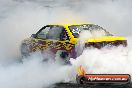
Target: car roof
x,y
66,25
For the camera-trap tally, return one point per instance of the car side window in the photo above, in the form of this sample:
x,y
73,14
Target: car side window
x,y
57,33
43,33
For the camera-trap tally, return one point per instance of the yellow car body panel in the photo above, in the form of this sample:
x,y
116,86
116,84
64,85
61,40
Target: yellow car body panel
x,y
106,39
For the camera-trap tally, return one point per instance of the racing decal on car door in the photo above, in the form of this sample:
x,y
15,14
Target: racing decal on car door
x,y
40,45
62,45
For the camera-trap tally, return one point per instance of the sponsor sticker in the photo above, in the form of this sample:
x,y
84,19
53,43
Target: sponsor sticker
x,y
108,78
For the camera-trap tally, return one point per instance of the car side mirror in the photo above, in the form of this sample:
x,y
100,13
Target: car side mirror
x,y
33,36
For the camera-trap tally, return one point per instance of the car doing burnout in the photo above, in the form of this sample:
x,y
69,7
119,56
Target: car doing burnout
x,y
64,39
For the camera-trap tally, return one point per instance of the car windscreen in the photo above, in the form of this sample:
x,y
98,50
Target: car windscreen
x,y
77,29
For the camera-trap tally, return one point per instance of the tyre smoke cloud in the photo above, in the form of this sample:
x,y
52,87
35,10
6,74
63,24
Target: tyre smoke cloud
x,y
21,18
33,73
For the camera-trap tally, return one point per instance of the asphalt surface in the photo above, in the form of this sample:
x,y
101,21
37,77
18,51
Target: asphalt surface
x,y
73,85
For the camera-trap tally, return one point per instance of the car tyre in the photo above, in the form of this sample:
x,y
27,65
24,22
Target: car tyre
x,y
63,57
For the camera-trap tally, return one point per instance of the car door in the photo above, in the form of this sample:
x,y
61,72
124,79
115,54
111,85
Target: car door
x,y
52,37
60,39
40,42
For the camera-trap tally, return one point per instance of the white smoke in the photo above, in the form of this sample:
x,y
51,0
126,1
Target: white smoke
x,y
21,18
114,60
33,73
108,60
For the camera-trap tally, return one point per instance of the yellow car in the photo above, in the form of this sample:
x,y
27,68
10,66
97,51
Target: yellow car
x,y
64,39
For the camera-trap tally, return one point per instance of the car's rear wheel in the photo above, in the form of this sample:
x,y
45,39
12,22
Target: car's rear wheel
x,y
62,57
25,50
